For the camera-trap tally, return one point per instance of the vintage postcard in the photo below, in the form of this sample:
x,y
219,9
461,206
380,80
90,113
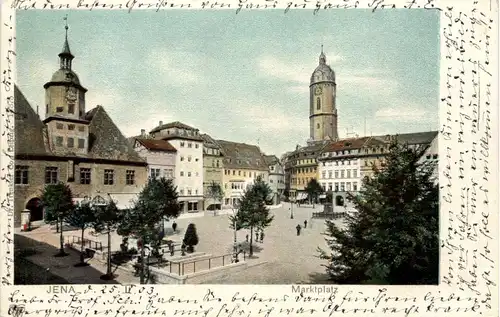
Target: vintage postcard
x,y
273,158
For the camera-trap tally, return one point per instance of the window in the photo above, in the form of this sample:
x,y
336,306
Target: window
x,y
85,176
169,173
192,206
71,142
342,174
329,186
51,175
189,158
196,160
348,186
435,156
109,177
339,201
323,174
130,177
182,158
182,144
71,127
181,191
355,187
81,128
244,174
217,163
197,174
59,140
189,174
196,146
59,109
189,192
271,181
354,173
182,173
330,174
154,172
318,103
428,157
317,125
81,143
59,126
190,145
71,108
239,173
234,172
342,186
21,174
348,173
336,187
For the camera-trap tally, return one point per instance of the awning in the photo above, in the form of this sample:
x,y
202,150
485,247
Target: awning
x,y
124,201
301,196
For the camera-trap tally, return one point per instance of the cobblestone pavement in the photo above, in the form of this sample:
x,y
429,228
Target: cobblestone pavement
x,y
282,258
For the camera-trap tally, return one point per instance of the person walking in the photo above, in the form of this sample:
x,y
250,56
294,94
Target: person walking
x,y
298,229
174,227
247,237
256,235
305,224
261,236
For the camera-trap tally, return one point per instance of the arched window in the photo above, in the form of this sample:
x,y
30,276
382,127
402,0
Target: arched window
x,y
318,103
317,126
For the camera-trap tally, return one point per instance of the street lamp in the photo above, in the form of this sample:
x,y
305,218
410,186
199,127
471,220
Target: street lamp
x,y
235,242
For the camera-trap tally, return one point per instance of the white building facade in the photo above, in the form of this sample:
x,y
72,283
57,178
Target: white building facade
x,y
188,171
160,156
276,178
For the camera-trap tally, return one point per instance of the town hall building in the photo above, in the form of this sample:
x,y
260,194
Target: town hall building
x,y
81,148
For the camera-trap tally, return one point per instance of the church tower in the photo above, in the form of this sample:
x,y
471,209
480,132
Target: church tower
x,y
323,109
65,106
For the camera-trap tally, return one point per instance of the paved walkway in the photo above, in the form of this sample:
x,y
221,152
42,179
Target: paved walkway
x,y
282,258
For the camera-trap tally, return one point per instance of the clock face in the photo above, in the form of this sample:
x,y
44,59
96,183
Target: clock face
x,y
318,90
71,94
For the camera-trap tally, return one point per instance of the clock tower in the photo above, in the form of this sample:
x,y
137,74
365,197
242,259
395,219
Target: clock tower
x,y
65,106
322,108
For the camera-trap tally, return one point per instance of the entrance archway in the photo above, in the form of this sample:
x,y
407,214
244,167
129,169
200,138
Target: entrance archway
x,y
35,207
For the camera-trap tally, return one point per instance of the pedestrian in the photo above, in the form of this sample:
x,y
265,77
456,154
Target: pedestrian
x,y
261,236
247,237
257,235
172,251
174,226
298,229
305,224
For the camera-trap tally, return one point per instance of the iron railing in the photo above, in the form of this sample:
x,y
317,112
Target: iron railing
x,y
87,243
179,267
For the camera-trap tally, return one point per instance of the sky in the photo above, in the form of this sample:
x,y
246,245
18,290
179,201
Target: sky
x,y
241,77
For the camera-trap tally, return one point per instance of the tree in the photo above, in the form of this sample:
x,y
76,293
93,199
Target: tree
x,y
57,200
313,190
190,237
253,212
214,191
263,190
107,219
157,201
393,237
83,216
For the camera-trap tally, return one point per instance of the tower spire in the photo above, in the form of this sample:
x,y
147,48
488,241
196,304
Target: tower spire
x,y
322,57
65,56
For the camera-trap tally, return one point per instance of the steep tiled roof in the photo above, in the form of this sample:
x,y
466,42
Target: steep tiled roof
x,y
346,144
106,142
29,128
241,155
105,139
209,142
411,138
175,124
157,145
271,159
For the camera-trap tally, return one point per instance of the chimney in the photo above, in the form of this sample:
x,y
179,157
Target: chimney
x,y
160,123
143,132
